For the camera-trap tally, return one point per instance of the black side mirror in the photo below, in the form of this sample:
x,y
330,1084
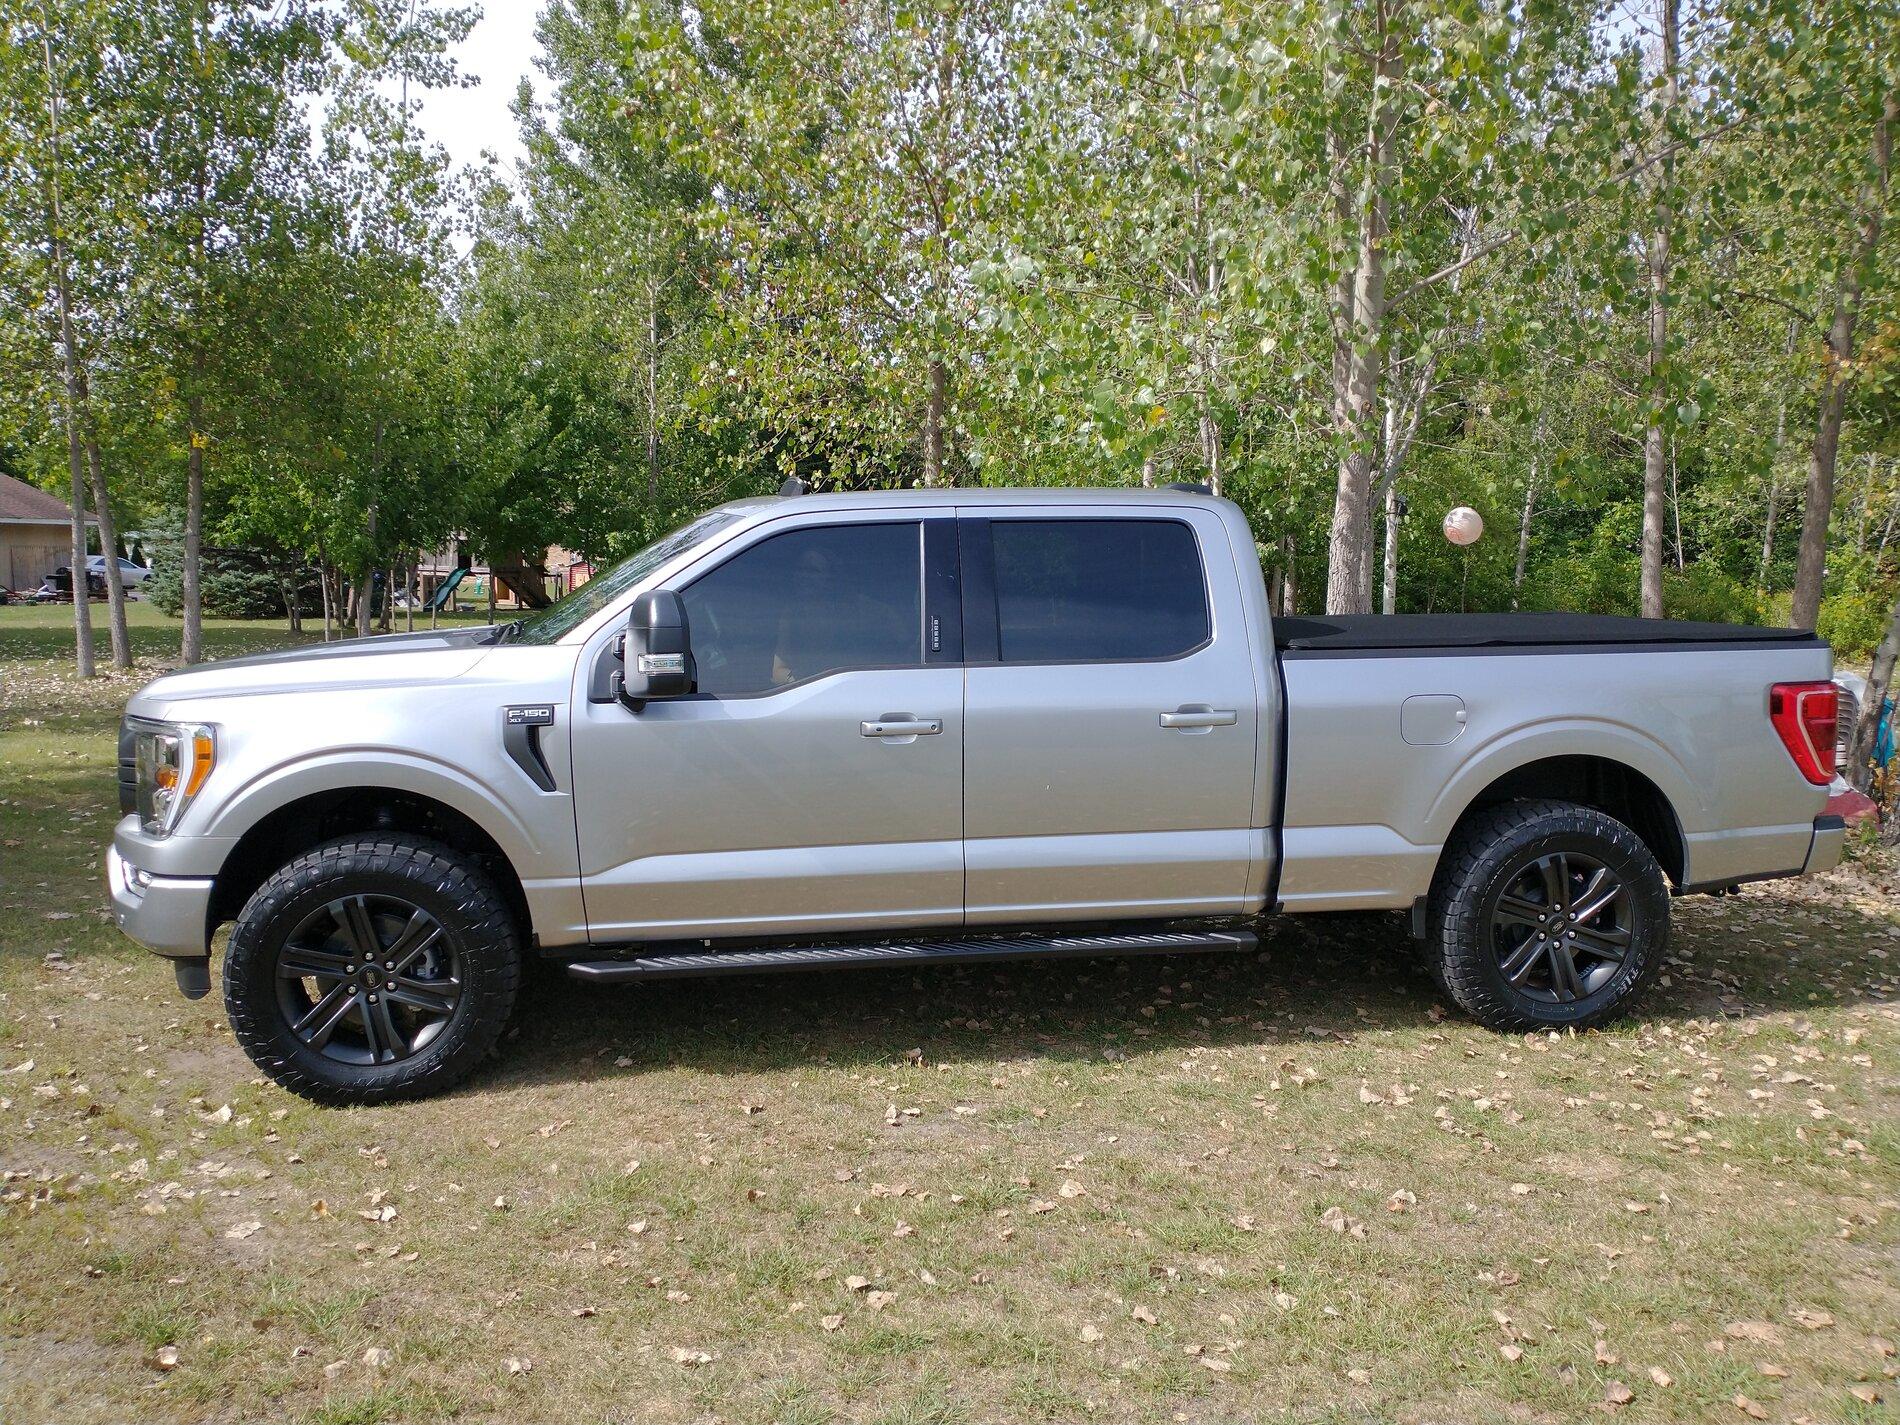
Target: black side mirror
x,y
657,654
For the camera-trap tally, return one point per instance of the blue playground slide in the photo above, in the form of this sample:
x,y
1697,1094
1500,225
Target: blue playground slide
x,y
444,591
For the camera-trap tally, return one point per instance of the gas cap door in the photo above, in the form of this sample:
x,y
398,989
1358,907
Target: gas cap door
x,y
1431,719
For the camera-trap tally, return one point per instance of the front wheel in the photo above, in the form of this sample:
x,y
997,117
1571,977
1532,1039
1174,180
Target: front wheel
x,y
1547,915
372,968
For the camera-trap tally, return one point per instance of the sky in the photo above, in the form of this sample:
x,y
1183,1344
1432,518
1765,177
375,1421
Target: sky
x,y
499,51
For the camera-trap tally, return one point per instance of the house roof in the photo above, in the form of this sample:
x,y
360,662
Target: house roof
x,y
21,503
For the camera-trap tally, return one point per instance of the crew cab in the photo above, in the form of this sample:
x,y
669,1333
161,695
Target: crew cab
x,y
826,730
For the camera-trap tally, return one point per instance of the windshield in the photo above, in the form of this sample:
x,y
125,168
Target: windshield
x,y
593,596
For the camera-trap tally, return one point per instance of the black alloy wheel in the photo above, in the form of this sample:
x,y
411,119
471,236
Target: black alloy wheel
x,y
1561,927
368,979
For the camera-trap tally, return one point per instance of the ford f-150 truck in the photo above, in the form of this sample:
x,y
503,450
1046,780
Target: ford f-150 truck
x,y
942,726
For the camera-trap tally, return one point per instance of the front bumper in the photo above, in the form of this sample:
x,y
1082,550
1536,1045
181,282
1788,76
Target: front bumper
x,y
1830,839
168,914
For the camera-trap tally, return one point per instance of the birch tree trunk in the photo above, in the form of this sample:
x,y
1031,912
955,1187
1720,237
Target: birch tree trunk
x,y
109,545
1389,582
1818,506
69,360
1356,365
1524,534
933,422
1655,462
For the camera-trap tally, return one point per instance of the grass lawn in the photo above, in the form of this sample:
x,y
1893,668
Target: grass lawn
x,y
1195,1189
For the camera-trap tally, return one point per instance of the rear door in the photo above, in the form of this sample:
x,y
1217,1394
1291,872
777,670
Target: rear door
x,y
1109,718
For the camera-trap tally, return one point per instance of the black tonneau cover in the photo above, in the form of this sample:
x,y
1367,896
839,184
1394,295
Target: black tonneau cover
x,y
1339,633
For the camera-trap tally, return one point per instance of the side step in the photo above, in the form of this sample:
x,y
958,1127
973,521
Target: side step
x,y
978,951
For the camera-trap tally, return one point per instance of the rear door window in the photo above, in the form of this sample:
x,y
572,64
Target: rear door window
x,y
1097,590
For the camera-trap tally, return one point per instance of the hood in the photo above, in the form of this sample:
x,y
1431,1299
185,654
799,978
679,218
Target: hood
x,y
399,658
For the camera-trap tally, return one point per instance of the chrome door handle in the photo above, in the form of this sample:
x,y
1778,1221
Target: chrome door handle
x,y
901,727
1200,717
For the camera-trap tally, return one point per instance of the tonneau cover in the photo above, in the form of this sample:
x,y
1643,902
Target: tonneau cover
x,y
1345,632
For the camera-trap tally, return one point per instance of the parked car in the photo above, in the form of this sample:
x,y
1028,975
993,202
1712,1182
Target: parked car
x,y
943,726
131,575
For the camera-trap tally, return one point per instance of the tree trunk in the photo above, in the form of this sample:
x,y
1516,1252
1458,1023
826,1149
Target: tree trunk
x,y
69,359
191,644
1655,463
1148,471
1524,533
933,422
1818,507
653,394
1356,365
1866,507
1389,584
323,587
410,585
1289,586
1774,467
109,545
1860,751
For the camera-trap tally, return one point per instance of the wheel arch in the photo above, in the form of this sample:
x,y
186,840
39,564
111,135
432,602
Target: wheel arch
x,y
309,820
1605,784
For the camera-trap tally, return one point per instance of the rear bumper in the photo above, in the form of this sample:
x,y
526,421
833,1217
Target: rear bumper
x,y
166,914
1824,852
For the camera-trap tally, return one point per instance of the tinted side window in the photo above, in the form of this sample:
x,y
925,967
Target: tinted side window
x,y
807,602
1099,590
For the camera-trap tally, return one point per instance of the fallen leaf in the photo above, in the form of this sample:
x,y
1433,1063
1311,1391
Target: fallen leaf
x,y
855,1283
165,1358
1604,1358
1749,1408
831,1323
1773,1371
878,1300
1865,1394
1811,1319
685,1356
1091,1333
1661,1377
1511,1352
1143,1315
242,1230
377,1358
1616,1393
517,1365
1764,1331
1215,1364
1071,1189
1359,1376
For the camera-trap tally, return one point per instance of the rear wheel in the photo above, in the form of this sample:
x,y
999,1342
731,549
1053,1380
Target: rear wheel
x,y
1547,914
372,969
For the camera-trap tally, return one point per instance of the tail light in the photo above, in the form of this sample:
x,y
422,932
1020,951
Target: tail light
x,y
1803,715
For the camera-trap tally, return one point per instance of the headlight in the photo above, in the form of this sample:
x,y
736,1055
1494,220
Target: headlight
x,y
171,762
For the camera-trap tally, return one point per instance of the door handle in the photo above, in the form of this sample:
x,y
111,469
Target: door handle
x,y
1200,716
901,727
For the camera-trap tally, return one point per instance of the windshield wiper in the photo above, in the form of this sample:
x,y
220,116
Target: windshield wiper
x,y
506,631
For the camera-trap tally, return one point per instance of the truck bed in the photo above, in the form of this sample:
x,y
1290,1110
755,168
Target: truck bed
x,y
1348,634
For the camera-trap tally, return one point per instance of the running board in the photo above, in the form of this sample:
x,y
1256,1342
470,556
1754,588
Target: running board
x,y
978,951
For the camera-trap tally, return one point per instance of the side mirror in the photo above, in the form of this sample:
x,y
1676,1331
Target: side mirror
x,y
657,652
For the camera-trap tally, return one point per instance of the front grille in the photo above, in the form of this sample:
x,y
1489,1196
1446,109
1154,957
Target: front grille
x,y
128,767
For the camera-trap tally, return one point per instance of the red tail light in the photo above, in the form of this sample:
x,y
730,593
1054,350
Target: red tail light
x,y
1803,715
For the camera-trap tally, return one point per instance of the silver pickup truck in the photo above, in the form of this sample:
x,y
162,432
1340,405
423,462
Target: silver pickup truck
x,y
942,725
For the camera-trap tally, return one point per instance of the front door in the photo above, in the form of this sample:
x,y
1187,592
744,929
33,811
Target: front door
x,y
1109,736
814,781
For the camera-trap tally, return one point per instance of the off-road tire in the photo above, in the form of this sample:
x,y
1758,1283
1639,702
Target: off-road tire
x,y
1477,869
450,886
